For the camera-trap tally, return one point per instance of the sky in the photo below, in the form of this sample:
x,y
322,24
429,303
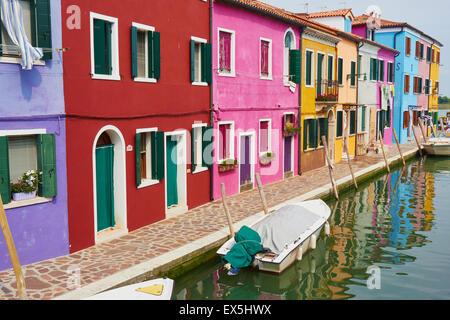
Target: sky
x,y
431,16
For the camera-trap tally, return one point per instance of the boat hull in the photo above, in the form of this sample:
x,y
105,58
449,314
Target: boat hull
x,y
437,149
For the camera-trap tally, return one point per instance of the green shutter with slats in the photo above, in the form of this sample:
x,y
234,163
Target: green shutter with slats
x,y
353,73
137,148
340,71
363,119
323,123
5,188
102,47
41,19
330,69
192,60
313,133
308,68
46,162
150,62
294,65
203,61
339,124
193,150
305,134
352,122
134,63
207,63
157,54
157,141
207,141
1,48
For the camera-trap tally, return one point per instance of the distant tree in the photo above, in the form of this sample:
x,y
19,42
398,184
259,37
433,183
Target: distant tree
x,y
443,100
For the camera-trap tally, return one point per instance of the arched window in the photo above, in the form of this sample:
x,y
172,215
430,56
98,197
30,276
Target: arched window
x,y
289,43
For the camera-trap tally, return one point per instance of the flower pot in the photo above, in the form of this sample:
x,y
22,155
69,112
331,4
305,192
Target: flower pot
x,y
19,196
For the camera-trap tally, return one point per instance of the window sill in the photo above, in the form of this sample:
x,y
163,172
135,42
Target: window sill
x,y
148,80
202,84
265,77
231,74
105,77
147,183
14,60
29,202
198,170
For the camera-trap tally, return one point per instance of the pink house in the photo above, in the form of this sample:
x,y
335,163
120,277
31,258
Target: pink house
x,y
385,96
255,94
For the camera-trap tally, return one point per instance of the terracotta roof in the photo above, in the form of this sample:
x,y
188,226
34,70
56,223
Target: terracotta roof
x,y
331,13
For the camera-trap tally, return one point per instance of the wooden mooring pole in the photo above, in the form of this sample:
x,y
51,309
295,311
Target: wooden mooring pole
x,y
398,147
261,193
12,252
422,129
417,141
384,154
330,168
348,162
227,212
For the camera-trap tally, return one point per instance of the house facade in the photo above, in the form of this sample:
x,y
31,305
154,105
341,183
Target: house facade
x,y
33,135
137,92
256,64
434,85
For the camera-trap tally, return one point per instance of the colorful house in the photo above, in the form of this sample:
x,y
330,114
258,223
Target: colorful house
x,y
33,135
411,75
137,92
433,88
255,94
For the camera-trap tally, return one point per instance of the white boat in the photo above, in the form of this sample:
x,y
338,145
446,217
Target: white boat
x,y
157,289
288,232
437,146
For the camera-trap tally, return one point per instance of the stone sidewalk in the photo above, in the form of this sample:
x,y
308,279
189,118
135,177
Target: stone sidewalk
x,y
142,253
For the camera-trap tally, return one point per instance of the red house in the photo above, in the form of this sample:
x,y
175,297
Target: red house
x,y
137,93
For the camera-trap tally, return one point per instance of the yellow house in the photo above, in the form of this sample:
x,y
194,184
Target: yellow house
x,y
434,83
319,92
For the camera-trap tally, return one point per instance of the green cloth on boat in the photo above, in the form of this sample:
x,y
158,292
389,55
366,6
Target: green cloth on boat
x,y
248,243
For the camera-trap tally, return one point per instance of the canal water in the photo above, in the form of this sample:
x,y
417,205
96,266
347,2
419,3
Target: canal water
x,y
389,240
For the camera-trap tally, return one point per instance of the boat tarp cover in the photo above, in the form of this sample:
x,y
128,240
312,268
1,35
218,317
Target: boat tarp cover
x,y
248,243
284,226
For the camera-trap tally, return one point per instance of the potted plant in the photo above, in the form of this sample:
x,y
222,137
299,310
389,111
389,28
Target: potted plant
x,y
289,130
26,186
266,158
228,165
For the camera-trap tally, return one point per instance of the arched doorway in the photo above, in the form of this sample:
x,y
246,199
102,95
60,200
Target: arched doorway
x,y
331,134
109,173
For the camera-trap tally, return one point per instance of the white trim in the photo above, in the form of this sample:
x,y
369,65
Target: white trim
x,y
146,28
23,203
199,40
252,150
269,136
312,68
182,206
199,168
232,72
202,84
145,182
231,123
143,26
22,132
286,79
270,76
120,188
15,60
115,73
292,146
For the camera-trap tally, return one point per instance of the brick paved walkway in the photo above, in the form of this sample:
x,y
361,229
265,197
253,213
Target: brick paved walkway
x,y
48,279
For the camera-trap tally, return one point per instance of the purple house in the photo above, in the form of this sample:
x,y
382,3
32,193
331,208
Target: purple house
x,y
256,76
32,136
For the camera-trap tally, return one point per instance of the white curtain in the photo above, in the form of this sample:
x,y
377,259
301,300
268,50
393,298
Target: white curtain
x,y
12,18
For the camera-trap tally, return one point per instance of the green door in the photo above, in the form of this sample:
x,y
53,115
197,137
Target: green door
x,y
172,185
104,161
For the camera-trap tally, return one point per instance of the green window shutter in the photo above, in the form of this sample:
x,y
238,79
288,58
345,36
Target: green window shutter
x,y
203,61
193,163
330,68
207,58
43,26
137,148
305,134
134,52
192,60
323,122
102,47
380,70
1,51
363,119
340,71
207,140
157,54
5,188
150,55
308,68
353,73
46,161
294,65
313,133
157,140
352,122
339,124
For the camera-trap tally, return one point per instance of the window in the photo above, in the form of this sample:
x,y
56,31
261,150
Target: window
x,y
201,139
226,141
309,64
370,34
408,46
438,57
428,54
149,152
373,69
310,134
352,122
265,133
417,49
320,71
265,58
406,119
359,67
362,119
381,70
145,53
340,66
226,52
20,152
323,130
390,72
436,87
104,47
417,85
289,44
422,49
353,73
427,86
433,56
330,66
200,55
339,123
407,83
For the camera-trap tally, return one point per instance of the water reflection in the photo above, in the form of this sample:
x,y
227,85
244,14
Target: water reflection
x,y
380,224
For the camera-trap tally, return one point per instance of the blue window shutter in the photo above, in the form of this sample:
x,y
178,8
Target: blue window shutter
x,y
46,161
134,52
5,188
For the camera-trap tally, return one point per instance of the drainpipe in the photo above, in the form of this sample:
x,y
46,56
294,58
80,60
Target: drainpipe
x,y
211,117
300,104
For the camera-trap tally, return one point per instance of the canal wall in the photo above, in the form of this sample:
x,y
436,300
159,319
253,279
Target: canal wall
x,y
186,257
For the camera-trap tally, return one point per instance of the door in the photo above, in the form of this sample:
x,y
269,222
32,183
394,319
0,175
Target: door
x,y
245,166
172,172
104,158
287,154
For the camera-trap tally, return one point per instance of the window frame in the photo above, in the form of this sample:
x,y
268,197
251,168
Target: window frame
x,y
231,137
390,76
353,77
286,56
340,73
269,136
232,72
198,40
115,73
311,85
147,29
269,67
146,182
381,70
199,168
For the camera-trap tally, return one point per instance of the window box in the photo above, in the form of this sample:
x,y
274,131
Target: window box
x,y
20,196
266,158
228,165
